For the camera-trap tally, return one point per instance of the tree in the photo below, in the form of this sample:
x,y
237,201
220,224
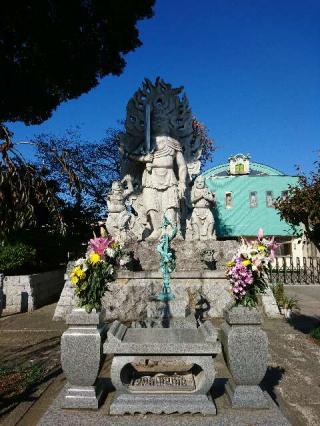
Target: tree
x,y
84,170
52,51
302,205
25,194
207,143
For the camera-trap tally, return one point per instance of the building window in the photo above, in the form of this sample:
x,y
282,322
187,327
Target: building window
x,y
284,195
253,200
284,249
269,199
228,200
239,168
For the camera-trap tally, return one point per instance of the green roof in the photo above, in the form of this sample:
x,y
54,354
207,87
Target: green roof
x,y
241,219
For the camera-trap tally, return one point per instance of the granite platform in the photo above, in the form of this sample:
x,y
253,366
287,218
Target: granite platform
x,y
226,416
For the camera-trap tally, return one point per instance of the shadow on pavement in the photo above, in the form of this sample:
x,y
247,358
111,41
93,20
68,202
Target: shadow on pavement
x,y
304,323
271,380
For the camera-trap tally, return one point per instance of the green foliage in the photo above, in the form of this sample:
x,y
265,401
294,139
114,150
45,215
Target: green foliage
x,y
33,375
25,194
4,371
315,333
284,301
15,258
302,206
52,248
251,297
52,51
290,302
18,381
278,292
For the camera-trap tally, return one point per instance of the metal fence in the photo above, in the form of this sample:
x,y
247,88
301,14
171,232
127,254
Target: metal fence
x,y
288,270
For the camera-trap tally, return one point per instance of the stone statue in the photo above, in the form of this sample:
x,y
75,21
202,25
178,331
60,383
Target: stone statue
x,y
162,190
202,221
118,216
160,152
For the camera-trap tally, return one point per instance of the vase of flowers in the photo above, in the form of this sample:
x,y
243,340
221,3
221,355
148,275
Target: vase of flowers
x,y
248,270
81,343
92,273
245,344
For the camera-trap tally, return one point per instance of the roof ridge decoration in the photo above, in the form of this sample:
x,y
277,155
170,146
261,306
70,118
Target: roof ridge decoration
x,y
254,167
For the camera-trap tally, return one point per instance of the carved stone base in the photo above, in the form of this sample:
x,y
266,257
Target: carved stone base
x,y
162,403
162,370
86,397
246,396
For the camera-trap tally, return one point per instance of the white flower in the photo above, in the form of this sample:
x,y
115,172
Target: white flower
x,y
110,252
124,261
81,262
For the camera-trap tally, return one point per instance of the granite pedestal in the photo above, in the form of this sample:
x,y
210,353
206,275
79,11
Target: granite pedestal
x,y
81,358
245,347
162,370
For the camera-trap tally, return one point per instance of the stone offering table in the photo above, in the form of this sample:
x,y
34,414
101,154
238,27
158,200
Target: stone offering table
x,y
162,370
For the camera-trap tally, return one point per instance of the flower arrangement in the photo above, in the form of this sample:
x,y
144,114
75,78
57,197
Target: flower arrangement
x,y
92,273
247,271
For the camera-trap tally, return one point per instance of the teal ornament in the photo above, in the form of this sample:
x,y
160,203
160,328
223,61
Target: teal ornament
x,y
167,260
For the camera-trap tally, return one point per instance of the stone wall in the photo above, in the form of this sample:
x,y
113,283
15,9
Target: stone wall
x,y
131,296
190,255
1,292
199,275
67,298
24,293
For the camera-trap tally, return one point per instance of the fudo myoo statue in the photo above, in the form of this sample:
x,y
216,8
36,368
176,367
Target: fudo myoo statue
x,y
164,178
202,221
160,157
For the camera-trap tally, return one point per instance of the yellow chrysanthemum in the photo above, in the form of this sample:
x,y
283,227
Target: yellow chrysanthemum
x,y
82,275
261,248
77,274
230,264
74,279
246,262
94,258
77,271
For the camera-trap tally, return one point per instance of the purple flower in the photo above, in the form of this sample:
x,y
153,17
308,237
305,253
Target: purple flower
x,y
240,277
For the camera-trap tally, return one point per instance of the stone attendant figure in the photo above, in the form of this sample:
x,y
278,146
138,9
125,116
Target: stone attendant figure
x,y
202,221
162,188
118,216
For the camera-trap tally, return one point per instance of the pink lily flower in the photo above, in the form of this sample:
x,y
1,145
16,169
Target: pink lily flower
x,y
260,234
99,245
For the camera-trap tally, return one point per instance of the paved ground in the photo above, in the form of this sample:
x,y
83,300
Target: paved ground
x,y
293,377
309,302
25,340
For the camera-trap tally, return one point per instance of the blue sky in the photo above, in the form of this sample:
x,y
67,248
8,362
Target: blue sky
x,y
250,68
